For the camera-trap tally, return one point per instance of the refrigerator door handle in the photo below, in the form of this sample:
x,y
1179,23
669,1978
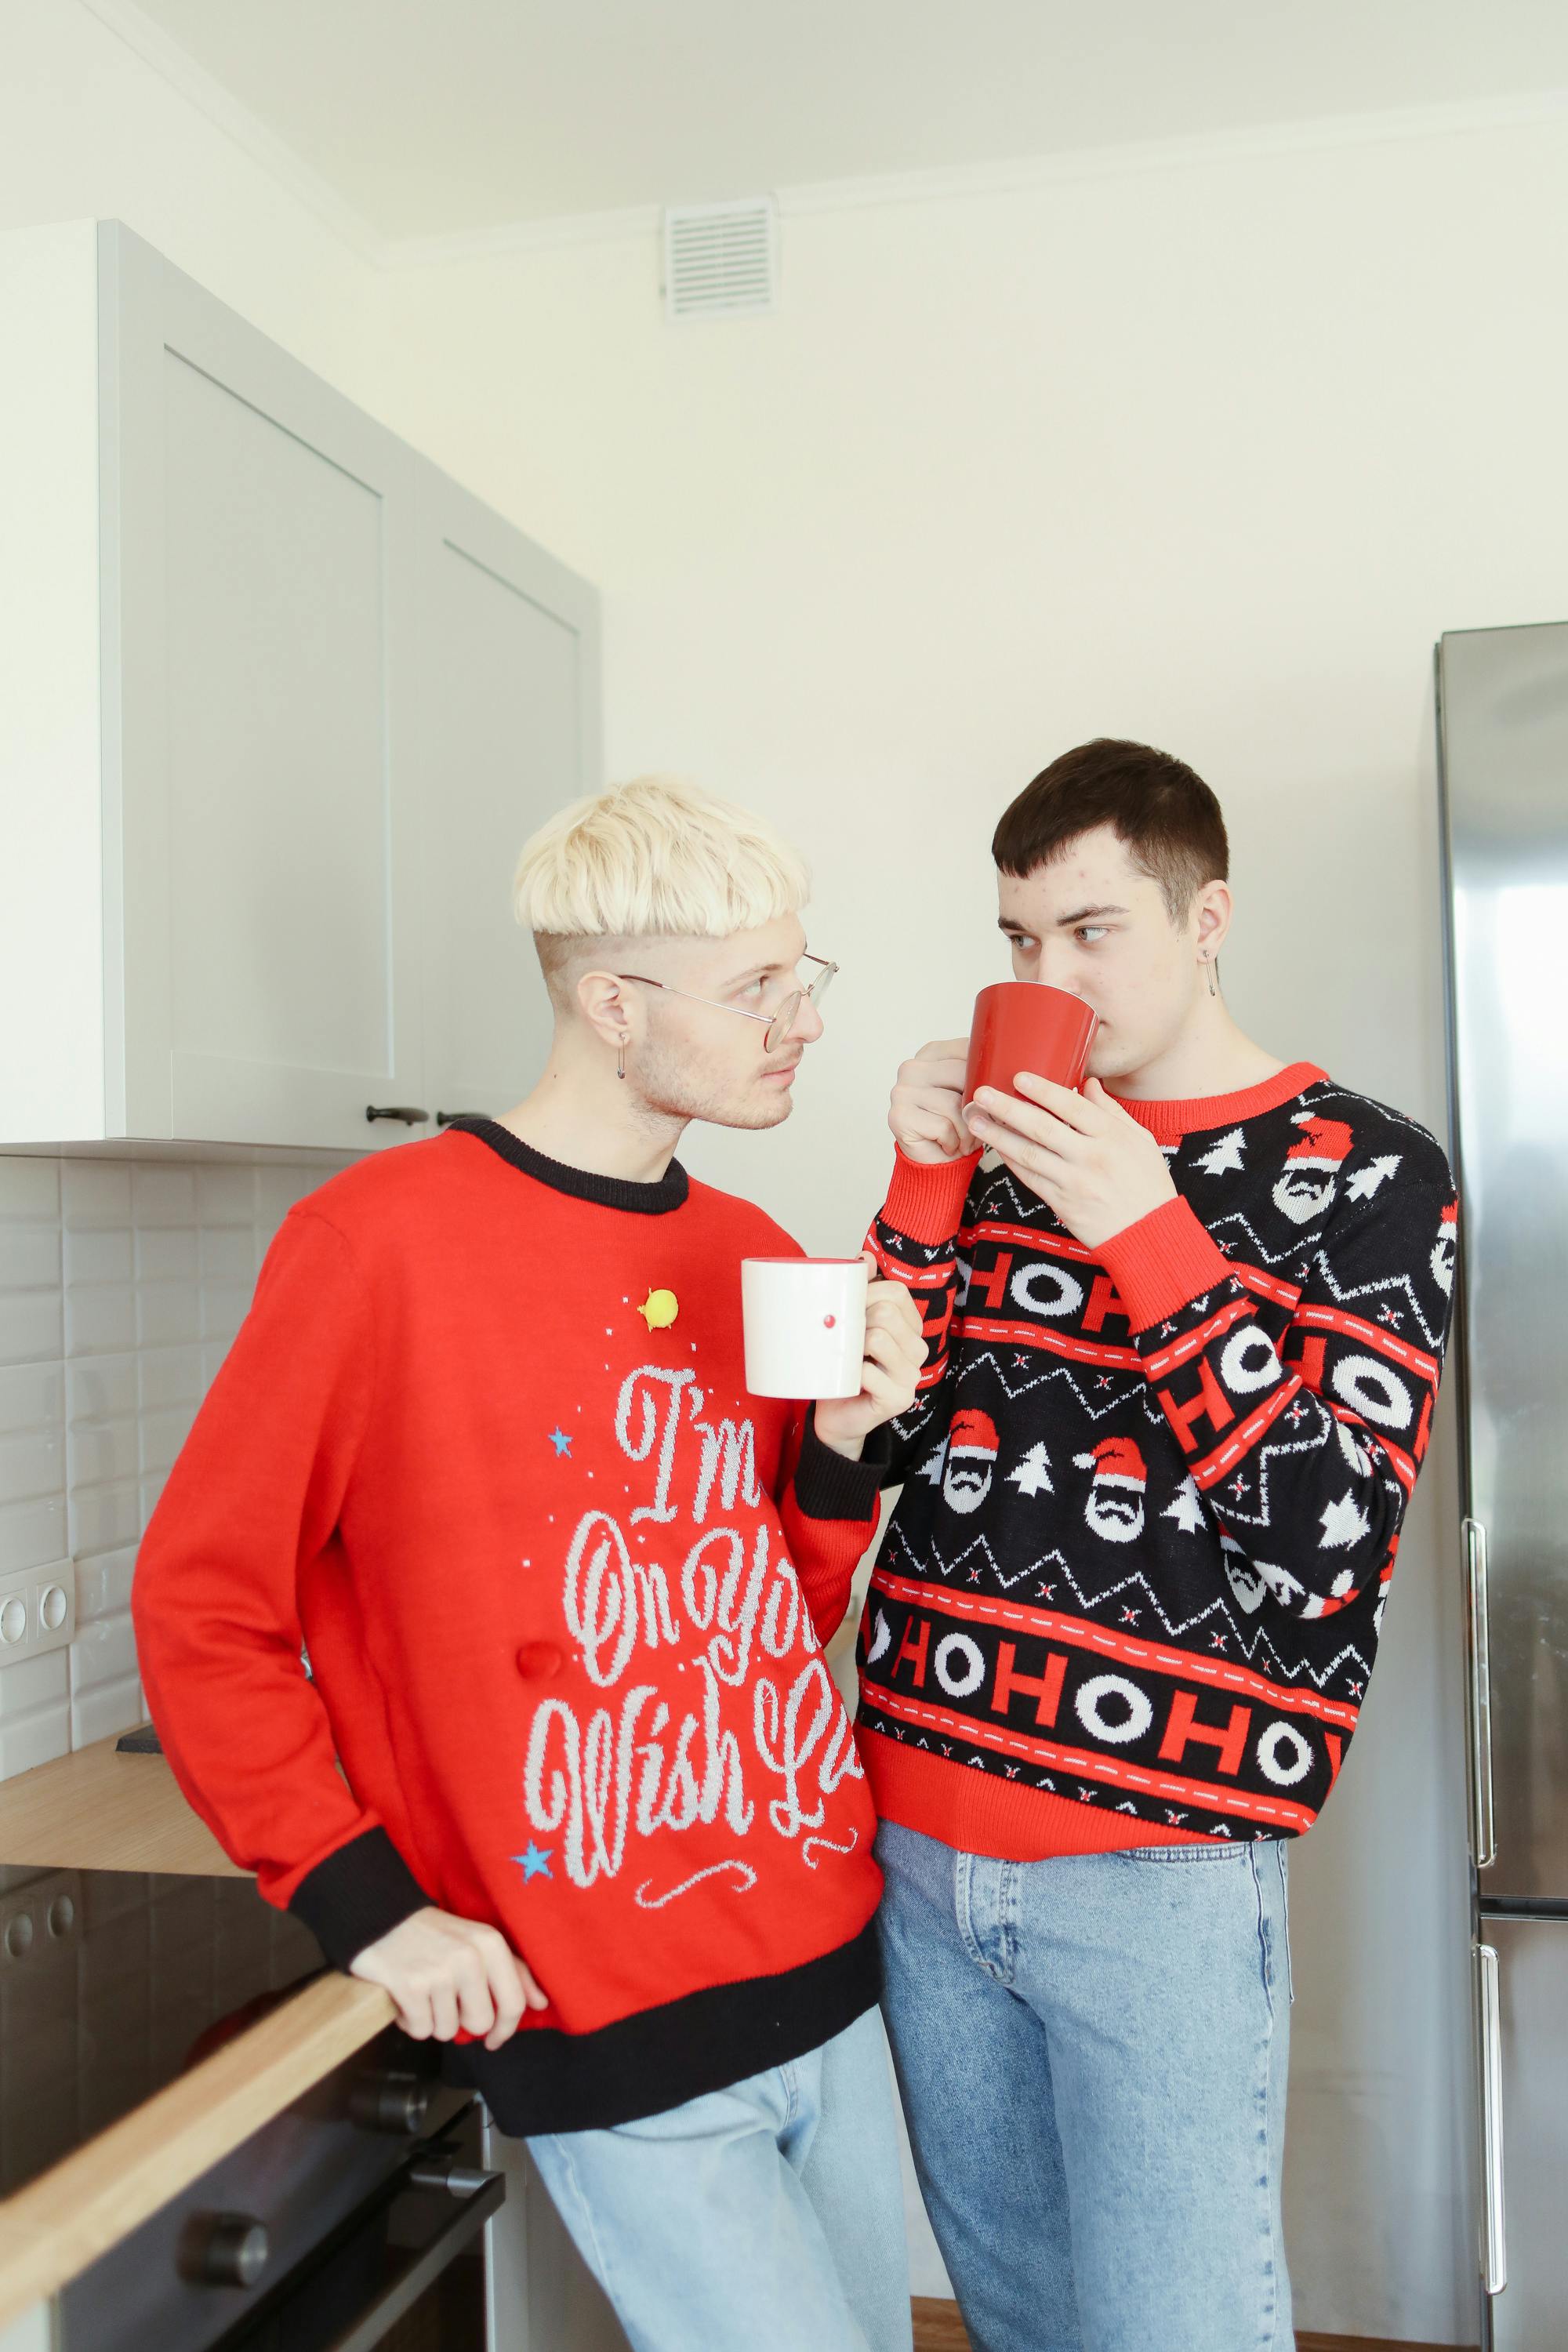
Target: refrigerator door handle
x,y
1483,1829
1494,2237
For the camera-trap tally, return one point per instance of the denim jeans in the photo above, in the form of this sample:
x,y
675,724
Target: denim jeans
x,y
768,2217
1092,2053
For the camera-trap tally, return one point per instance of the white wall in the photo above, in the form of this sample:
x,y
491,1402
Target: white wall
x,y
88,130
1208,455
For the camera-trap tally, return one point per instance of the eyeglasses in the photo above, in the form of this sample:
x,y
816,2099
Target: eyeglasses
x,y
777,1024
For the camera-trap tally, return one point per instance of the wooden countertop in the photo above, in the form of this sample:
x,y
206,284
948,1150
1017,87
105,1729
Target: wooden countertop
x,y
97,1810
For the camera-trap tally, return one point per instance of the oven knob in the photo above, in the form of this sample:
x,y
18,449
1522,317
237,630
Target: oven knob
x,y
389,2103
223,2249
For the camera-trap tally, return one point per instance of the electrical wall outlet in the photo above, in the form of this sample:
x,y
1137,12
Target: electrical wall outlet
x,y
37,1610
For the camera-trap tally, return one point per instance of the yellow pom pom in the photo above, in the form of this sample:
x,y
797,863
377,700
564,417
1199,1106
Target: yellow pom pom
x,y
659,1310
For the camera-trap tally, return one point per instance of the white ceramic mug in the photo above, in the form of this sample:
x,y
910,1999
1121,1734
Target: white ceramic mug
x,y
805,1322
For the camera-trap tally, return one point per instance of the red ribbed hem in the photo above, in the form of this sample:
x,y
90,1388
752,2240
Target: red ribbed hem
x,y
925,1198
1169,1120
977,1812
1165,1259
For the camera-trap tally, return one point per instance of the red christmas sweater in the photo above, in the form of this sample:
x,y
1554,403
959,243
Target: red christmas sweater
x,y
483,1445
1133,1590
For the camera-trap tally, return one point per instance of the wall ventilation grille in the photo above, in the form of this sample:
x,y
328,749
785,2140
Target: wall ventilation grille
x,y
720,260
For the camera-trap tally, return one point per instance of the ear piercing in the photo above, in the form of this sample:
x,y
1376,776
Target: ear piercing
x,y
621,1057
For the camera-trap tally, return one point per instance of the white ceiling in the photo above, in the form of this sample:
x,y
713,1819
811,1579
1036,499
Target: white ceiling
x,y
431,117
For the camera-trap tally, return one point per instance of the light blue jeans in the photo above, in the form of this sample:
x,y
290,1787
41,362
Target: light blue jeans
x,y
1092,2053
765,2218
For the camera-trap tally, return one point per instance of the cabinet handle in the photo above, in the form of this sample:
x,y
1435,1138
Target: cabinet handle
x,y
223,2249
445,1118
1494,2236
443,2171
389,2102
396,1110
1483,1825
462,2224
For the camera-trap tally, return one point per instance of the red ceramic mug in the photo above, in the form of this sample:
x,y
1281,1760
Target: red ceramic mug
x,y
1023,1025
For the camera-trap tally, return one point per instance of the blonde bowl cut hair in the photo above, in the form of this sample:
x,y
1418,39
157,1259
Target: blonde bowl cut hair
x,y
655,859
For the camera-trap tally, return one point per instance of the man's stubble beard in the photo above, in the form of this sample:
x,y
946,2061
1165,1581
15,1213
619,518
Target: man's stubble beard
x,y
670,1089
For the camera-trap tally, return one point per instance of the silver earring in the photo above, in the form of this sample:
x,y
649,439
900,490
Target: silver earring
x,y
1214,975
621,1059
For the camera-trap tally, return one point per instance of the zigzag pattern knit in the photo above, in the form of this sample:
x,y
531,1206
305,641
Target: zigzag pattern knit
x,y
1133,1590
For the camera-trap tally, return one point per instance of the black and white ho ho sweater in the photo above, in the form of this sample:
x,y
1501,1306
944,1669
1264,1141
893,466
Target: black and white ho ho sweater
x,y
1132,1590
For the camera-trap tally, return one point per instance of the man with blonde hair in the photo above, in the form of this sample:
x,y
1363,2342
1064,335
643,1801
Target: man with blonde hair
x,y
484,1444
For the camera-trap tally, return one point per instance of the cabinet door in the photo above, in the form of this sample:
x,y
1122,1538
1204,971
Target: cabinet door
x,y
509,727
260,822
1523,2021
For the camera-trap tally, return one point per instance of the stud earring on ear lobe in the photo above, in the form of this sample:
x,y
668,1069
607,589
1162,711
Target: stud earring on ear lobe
x,y
621,1057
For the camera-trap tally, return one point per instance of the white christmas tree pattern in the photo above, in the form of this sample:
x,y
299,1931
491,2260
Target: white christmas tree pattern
x,y
1344,1522
1033,1474
1224,1158
1185,1509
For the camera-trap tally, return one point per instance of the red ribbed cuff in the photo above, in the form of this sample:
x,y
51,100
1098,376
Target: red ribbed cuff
x,y
926,1198
1162,1262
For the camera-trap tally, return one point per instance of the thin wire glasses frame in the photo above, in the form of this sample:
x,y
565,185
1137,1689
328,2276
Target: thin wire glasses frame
x,y
777,1024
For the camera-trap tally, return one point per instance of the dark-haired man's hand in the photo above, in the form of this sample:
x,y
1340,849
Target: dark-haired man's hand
x,y
926,1114
1081,1154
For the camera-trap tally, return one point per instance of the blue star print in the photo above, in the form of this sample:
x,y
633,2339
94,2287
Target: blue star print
x,y
561,1442
535,1863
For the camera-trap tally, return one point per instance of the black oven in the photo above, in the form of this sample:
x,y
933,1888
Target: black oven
x,y
354,2219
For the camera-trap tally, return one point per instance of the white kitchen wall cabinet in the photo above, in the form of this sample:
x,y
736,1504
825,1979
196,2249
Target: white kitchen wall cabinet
x,y
282,705
509,719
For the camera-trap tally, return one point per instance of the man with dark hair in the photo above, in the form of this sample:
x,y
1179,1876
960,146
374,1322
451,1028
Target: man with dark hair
x,y
1197,1312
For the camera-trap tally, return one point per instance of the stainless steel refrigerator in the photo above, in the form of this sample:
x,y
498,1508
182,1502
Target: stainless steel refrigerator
x,y
1502,702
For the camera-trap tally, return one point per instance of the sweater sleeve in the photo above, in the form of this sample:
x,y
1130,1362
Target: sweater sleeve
x,y
829,1507
1306,1444
914,1238
252,1501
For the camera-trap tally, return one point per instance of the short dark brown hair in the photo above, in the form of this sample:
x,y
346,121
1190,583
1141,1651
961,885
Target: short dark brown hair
x,y
1165,814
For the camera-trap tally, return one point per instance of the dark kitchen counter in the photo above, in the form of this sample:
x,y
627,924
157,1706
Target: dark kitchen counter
x,y
112,1984
150,2020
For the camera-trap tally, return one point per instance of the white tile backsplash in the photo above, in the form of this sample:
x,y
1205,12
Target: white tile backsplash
x,y
169,1314
30,1187
162,1195
166,1253
103,1584
31,1534
122,1284
101,1318
97,1390
99,1254
226,1196
103,1651
95,1193
30,1327
104,1519
30,1396
29,1256
29,1465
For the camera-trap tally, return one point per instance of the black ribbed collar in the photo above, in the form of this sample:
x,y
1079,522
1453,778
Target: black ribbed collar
x,y
582,1183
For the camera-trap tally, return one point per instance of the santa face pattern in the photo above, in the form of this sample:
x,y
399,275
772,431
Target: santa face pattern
x,y
971,1461
1312,1167
1113,1507
1218,1494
